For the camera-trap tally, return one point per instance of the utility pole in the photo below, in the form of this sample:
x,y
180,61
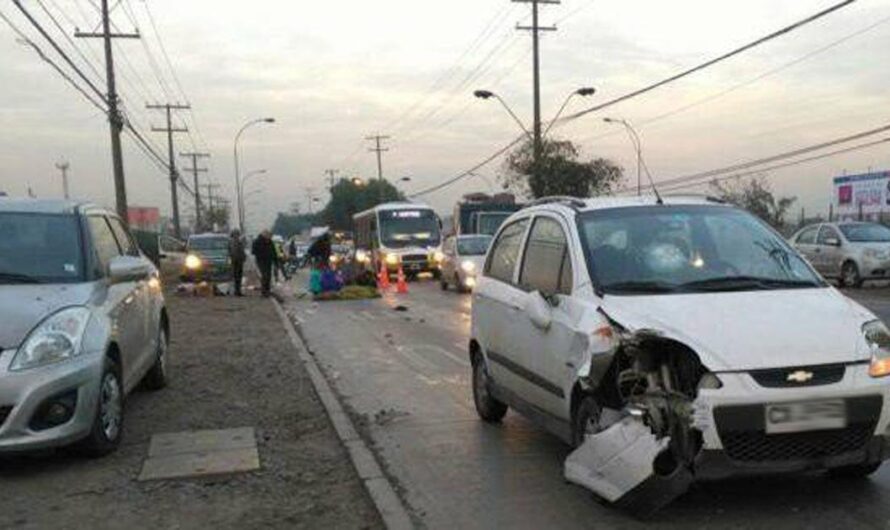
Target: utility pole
x,y
211,195
63,167
331,173
195,170
379,150
174,174
115,119
310,197
536,29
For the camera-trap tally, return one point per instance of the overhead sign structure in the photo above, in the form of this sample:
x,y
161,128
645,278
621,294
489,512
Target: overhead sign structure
x,y
866,195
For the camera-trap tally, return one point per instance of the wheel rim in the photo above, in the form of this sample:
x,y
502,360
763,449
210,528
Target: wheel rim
x,y
110,406
850,275
162,352
480,385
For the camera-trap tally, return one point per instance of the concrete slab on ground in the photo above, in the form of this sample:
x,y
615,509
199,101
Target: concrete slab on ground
x,y
195,454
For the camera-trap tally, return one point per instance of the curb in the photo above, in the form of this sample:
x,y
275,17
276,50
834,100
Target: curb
x,y
383,494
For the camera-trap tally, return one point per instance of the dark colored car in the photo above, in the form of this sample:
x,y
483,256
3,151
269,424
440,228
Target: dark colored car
x,y
207,259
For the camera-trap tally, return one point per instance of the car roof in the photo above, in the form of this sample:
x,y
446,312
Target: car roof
x,y
606,203
44,206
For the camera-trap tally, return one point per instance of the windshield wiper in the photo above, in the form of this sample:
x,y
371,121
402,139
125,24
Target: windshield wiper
x,y
745,283
11,277
640,287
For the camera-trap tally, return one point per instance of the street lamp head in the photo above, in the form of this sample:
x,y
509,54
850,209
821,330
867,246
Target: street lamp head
x,y
608,120
269,120
586,91
483,94
405,179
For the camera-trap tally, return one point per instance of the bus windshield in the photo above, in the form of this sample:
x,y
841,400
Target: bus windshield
x,y
405,228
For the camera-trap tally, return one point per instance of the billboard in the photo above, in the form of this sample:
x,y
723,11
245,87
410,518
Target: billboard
x,y
144,218
867,194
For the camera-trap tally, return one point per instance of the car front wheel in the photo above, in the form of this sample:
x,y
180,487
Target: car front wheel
x,y
487,406
585,420
156,378
850,275
108,424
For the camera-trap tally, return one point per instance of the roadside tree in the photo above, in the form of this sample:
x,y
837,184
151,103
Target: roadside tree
x,y
756,196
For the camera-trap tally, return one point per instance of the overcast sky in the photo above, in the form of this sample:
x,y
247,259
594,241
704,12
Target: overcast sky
x,y
334,72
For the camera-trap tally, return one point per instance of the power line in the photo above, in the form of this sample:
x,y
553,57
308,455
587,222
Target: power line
x,y
468,172
767,160
776,34
780,166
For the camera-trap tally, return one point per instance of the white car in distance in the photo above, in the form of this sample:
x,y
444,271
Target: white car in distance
x,y
675,340
462,259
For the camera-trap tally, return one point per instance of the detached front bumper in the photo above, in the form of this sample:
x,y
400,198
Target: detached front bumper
x,y
23,396
733,426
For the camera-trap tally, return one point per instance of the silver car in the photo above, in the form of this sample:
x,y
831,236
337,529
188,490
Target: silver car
x,y
83,322
850,252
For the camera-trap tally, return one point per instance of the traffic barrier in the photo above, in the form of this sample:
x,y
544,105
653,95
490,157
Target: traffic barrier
x,y
402,284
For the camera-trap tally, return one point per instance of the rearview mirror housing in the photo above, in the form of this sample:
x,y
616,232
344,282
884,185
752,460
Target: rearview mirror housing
x,y
128,269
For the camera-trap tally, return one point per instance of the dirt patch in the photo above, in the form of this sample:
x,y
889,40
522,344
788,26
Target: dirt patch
x,y
231,365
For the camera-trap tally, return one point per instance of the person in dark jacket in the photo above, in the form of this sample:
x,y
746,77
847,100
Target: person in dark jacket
x,y
266,257
238,256
320,252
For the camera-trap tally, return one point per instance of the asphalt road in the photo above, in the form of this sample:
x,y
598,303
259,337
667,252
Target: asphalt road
x,y
407,374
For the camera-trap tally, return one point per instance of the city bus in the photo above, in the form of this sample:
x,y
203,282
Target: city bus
x,y
399,233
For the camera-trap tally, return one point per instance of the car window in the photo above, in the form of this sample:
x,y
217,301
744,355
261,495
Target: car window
x,y
124,240
505,253
104,243
45,248
547,265
827,233
808,236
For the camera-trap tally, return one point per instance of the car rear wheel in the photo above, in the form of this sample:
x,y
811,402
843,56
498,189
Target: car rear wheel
x,y
856,471
105,435
156,378
487,406
585,420
850,275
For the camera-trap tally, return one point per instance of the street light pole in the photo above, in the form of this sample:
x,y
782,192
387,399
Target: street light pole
x,y
488,94
241,205
584,92
238,198
635,140
485,179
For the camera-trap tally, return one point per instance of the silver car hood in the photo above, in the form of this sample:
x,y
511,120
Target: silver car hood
x,y
751,330
24,306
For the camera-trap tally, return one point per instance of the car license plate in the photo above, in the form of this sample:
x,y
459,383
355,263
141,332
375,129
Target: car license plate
x,y
414,267
806,416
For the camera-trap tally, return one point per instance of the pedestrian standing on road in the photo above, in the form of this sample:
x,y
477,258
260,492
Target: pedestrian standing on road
x,y
237,256
266,257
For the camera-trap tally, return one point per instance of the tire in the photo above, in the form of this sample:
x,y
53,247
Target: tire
x,y
108,424
584,419
855,471
459,285
443,284
156,378
487,406
850,275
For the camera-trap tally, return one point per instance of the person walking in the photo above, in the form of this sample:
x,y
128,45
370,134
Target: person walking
x,y
237,256
266,257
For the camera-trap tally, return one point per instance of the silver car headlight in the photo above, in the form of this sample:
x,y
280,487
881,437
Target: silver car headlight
x,y
57,338
468,266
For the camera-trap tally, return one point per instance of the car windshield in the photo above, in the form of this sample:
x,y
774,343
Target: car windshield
x,y
668,249
473,246
866,233
40,248
490,222
405,228
209,243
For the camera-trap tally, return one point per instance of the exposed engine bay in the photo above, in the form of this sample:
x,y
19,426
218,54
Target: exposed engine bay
x,y
639,451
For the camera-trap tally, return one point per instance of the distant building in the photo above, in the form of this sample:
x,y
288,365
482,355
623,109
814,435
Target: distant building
x,y
865,196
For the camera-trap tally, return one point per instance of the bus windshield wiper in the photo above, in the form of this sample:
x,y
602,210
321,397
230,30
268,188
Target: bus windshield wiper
x,y
11,277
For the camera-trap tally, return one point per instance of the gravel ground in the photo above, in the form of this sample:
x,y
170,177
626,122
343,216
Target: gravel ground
x,y
231,366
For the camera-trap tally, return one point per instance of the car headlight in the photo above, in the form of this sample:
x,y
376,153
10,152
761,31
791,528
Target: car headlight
x,y
57,338
361,256
392,259
878,339
192,262
334,258
438,256
468,266
709,381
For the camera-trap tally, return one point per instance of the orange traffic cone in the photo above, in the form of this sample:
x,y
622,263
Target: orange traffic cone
x,y
401,285
383,278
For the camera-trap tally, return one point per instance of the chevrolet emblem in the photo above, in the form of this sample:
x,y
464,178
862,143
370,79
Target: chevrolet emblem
x,y
800,376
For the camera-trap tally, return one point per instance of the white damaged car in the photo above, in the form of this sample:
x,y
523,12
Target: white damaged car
x,y
675,339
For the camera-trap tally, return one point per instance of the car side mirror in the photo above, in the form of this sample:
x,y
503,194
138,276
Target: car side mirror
x,y
128,269
539,310
833,242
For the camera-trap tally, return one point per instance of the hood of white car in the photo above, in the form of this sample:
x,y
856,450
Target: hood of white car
x,y
24,306
752,329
